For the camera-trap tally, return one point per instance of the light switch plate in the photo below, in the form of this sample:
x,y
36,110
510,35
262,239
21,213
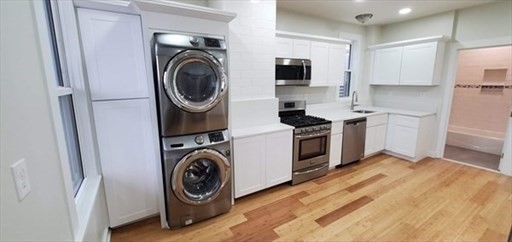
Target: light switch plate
x,y
20,175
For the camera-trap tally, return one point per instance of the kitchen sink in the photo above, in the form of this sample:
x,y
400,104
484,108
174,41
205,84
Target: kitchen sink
x,y
363,111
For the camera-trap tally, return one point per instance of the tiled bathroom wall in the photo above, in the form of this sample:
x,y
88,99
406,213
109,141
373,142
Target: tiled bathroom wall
x,y
482,97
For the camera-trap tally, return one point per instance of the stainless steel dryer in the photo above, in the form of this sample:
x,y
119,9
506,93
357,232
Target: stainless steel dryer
x,y
191,82
197,170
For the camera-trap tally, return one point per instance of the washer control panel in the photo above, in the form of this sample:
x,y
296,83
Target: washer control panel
x,y
216,137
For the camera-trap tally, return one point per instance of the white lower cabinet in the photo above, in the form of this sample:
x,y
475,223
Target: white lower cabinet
x,y
336,144
262,161
409,136
376,126
128,162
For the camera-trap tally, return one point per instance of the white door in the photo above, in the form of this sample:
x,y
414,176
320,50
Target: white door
x,y
386,66
284,47
336,69
319,63
418,63
279,152
113,52
249,164
301,49
335,150
127,158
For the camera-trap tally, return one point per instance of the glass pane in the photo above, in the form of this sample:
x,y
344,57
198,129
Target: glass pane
x,y
310,148
345,87
348,53
54,35
73,146
201,179
196,82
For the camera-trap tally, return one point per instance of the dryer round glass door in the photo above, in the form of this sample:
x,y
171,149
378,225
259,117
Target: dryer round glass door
x,y
195,81
199,177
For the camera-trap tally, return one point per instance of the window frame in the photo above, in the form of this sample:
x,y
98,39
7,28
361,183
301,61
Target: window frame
x,y
355,59
81,203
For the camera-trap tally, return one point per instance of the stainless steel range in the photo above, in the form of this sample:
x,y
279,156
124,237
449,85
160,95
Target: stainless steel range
x,y
311,141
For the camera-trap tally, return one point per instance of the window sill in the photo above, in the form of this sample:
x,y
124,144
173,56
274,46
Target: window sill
x,y
84,202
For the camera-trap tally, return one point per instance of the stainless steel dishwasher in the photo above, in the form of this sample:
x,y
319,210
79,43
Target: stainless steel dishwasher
x,y
354,137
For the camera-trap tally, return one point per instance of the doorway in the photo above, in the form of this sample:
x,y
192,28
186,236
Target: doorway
x,y
481,106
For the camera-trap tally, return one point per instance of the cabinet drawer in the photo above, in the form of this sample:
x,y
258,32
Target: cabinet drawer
x,y
376,120
337,128
406,121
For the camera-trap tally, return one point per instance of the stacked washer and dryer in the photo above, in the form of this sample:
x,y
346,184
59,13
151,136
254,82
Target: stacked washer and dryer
x,y
192,98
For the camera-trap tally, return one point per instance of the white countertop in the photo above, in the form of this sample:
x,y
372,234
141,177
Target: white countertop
x,y
258,130
338,112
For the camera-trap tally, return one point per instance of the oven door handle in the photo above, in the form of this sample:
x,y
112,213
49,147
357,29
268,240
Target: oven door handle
x,y
312,135
309,171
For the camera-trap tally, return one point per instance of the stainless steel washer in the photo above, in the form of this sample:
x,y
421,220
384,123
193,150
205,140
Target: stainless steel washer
x,y
197,170
191,83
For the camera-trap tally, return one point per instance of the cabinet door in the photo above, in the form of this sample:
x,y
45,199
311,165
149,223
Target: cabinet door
x,y
127,159
418,63
249,162
284,47
336,68
114,56
379,141
335,150
279,152
319,63
404,140
386,66
369,146
301,49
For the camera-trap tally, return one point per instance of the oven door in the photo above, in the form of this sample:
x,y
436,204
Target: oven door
x,y
311,149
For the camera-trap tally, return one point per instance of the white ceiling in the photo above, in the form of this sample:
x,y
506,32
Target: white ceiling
x,y
384,12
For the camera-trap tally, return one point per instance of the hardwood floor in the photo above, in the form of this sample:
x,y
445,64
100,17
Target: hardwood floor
x,y
382,198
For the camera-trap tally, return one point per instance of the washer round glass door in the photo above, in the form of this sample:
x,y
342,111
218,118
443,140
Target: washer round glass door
x,y
195,81
199,177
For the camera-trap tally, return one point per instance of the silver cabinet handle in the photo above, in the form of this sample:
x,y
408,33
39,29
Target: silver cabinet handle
x,y
312,135
316,169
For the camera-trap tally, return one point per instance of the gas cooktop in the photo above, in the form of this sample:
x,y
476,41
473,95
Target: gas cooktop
x,y
299,121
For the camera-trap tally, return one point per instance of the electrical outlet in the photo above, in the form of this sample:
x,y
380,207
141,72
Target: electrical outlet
x,y
20,175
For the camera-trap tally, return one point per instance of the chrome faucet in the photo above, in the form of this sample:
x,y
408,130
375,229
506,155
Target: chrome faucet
x,y
352,104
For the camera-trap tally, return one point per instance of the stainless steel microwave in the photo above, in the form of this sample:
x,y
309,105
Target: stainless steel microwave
x,y
293,72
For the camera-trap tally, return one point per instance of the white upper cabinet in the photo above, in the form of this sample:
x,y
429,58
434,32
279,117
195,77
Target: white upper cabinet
x,y
301,49
284,47
292,48
319,63
114,54
418,63
412,63
386,66
336,69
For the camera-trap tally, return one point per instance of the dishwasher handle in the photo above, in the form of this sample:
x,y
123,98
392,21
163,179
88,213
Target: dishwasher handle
x,y
355,121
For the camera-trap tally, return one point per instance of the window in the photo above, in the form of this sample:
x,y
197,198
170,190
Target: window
x,y
66,104
344,90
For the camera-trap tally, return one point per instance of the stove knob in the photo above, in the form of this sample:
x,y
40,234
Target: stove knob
x,y
309,129
317,128
199,139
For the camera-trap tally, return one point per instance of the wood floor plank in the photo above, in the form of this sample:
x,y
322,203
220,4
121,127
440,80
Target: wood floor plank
x,y
341,212
382,198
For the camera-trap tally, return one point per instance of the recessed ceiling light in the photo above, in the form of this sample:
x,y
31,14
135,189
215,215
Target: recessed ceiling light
x,y
404,11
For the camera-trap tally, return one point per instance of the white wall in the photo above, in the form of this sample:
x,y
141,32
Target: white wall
x,y
300,23
27,132
487,24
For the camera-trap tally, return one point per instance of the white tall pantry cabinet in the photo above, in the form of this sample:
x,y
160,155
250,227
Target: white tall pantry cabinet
x,y
115,65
